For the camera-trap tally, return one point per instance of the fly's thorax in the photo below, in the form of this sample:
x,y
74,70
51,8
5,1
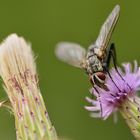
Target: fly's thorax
x,y
99,52
93,63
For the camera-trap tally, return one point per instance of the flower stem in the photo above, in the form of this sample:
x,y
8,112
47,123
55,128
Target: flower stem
x,y
131,113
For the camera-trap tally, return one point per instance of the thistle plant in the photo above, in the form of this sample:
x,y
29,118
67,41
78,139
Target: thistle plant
x,y
32,122
18,72
122,95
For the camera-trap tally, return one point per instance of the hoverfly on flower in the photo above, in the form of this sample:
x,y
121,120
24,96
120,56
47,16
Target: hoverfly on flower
x,y
96,60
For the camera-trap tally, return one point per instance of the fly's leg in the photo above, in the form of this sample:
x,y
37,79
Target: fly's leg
x,y
92,96
98,96
112,54
107,70
106,63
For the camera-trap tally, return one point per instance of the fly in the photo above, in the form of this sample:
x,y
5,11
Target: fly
x,y
96,60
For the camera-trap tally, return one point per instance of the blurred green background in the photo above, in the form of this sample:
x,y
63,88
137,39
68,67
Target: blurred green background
x,y
46,22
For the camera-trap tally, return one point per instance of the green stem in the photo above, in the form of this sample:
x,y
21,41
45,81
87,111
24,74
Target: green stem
x,y
131,113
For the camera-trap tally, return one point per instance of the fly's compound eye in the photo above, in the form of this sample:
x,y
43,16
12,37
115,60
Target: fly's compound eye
x,y
99,78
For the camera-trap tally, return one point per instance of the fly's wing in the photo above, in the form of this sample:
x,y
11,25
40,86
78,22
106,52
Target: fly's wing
x,y
107,29
70,53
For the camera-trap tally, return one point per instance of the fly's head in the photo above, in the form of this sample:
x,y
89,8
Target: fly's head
x,y
98,79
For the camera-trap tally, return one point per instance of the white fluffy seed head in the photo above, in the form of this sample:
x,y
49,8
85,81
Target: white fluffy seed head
x,y
18,71
15,57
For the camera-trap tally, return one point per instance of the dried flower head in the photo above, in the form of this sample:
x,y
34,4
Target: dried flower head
x,y
122,96
18,71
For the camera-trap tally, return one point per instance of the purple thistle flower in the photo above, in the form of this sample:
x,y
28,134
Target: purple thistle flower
x,y
122,95
113,99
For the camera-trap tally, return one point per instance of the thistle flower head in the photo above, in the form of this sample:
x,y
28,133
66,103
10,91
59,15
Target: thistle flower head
x,y
122,95
117,92
18,71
